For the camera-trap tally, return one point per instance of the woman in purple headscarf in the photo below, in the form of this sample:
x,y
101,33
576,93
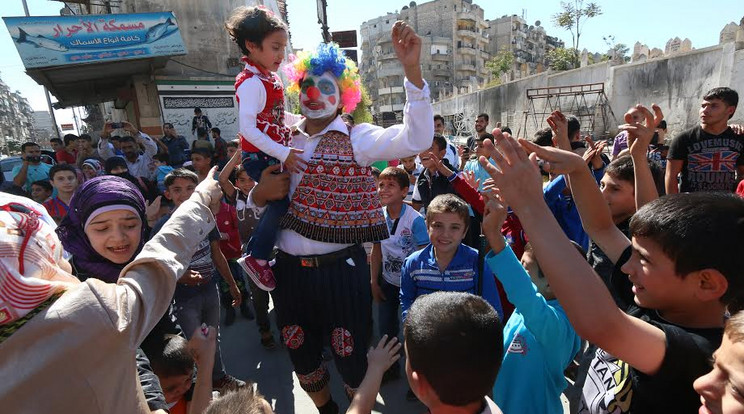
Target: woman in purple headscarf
x,y
104,231
104,228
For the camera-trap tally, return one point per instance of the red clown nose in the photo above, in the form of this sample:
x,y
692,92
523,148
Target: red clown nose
x,y
313,93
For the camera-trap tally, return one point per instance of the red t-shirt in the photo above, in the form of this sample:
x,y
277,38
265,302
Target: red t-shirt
x,y
65,156
227,223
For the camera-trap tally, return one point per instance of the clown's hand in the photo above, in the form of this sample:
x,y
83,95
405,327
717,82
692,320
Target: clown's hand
x,y
407,45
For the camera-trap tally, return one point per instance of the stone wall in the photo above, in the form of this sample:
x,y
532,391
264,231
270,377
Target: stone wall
x,y
676,83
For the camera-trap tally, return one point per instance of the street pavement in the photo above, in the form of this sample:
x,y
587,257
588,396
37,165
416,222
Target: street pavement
x,y
245,358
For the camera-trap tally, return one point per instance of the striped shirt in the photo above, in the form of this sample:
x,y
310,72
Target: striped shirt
x,y
56,208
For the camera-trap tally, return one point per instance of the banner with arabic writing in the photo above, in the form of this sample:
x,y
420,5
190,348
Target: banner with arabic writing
x,y
65,40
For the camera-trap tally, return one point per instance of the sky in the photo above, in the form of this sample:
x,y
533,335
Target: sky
x,y
650,22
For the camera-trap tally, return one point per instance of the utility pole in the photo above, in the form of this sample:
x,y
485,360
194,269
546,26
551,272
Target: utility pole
x,y
46,92
323,20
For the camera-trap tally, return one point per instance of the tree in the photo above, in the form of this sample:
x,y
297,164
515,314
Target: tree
x,y
561,59
499,64
362,113
93,119
572,18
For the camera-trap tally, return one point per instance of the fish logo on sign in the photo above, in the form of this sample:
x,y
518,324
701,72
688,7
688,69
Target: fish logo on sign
x,y
159,31
39,41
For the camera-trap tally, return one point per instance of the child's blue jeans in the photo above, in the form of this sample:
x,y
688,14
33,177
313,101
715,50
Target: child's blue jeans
x,y
263,238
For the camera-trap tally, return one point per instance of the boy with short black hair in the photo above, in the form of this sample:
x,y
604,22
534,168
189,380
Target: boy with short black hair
x,y
649,355
407,234
196,297
201,160
446,263
41,191
63,178
453,344
174,366
707,157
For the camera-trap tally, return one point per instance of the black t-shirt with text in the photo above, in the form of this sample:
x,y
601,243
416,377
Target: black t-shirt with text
x,y
709,161
613,386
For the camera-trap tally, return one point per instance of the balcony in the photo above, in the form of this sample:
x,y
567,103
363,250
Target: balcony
x,y
484,55
467,33
440,56
387,56
390,71
441,72
465,67
390,90
467,16
467,50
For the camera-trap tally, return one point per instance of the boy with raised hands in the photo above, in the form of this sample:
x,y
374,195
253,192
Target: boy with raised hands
x,y
648,356
538,337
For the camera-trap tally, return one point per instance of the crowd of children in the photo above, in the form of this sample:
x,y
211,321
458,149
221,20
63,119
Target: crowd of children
x,y
502,265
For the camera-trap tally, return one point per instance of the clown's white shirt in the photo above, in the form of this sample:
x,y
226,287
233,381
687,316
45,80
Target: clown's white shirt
x,y
370,143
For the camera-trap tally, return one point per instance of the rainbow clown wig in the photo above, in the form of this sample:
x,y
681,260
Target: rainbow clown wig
x,y
327,58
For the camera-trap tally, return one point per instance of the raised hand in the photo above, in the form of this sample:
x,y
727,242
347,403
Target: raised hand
x,y
516,176
151,209
407,45
384,354
640,135
559,124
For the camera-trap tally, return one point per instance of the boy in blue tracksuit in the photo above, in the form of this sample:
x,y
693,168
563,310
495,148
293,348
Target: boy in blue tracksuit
x,y
445,264
539,341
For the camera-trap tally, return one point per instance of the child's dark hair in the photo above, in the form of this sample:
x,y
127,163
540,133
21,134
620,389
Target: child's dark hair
x,y
441,141
85,137
28,144
171,177
245,400
375,172
573,126
396,174
204,152
173,358
252,24
61,167
448,203
621,168
216,130
161,157
683,226
45,184
57,140
727,95
455,341
233,144
70,138
544,137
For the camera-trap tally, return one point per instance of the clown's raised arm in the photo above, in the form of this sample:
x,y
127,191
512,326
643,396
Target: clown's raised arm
x,y
329,84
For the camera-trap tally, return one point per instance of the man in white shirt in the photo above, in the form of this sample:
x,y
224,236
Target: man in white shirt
x,y
139,162
321,268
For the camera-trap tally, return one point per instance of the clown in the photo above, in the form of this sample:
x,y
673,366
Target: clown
x,y
323,288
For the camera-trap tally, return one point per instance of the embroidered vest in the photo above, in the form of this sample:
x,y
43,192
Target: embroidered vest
x,y
271,119
336,201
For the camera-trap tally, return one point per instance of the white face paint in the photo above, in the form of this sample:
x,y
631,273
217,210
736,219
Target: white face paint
x,y
319,96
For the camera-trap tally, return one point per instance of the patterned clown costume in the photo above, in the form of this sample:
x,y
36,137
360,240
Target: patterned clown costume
x,y
323,288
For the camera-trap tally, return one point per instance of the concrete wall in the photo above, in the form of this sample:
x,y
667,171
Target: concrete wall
x,y
676,83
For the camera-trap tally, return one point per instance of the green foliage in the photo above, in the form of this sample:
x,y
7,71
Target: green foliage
x,y
561,59
293,101
362,113
501,63
93,120
572,17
